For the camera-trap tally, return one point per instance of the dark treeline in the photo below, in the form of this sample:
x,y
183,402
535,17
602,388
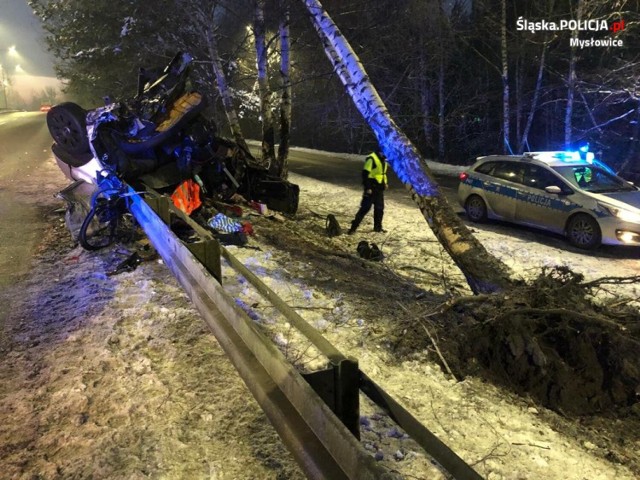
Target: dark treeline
x,y
462,78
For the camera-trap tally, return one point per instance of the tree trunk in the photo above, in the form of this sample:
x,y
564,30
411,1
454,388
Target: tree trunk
x,y
268,132
443,45
225,94
281,168
631,153
506,146
425,98
484,272
568,113
534,102
441,105
227,103
571,84
518,100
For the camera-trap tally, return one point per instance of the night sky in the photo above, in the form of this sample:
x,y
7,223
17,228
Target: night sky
x,y
20,27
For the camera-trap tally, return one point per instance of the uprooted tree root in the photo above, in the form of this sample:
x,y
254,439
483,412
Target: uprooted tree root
x,y
550,340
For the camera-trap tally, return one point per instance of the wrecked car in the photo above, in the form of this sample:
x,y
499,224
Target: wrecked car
x,y
160,138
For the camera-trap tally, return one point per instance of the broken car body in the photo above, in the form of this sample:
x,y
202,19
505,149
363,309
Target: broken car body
x,y
159,138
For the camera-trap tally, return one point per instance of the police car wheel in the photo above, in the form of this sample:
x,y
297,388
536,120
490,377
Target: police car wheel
x,y
476,209
584,232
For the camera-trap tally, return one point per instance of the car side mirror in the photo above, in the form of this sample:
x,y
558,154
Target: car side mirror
x,y
553,189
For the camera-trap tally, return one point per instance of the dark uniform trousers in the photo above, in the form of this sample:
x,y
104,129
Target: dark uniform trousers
x,y
375,198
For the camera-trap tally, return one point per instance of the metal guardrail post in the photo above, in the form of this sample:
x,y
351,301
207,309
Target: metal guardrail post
x,y
208,253
206,250
339,387
160,206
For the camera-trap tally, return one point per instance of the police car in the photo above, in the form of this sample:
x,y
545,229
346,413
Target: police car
x,y
570,193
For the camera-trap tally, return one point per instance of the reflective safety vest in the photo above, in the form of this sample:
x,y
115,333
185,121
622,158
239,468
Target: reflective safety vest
x,y
377,168
187,196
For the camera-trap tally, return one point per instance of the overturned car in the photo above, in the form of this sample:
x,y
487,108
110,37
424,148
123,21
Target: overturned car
x,y
160,138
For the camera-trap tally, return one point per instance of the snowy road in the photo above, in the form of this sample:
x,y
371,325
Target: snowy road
x,y
24,148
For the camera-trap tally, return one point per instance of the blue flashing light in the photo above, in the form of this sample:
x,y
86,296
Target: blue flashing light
x,y
566,156
569,156
584,148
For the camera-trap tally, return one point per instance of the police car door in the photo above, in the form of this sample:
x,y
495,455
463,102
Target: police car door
x,y
501,187
535,206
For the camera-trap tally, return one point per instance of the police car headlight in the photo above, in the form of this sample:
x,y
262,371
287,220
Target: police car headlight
x,y
621,213
628,216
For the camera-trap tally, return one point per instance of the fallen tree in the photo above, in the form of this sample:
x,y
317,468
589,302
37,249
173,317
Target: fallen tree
x,y
550,340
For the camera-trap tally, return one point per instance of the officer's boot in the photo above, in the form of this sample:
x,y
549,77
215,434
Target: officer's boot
x,y
355,224
377,222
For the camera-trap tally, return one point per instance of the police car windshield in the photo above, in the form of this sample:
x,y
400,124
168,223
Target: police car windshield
x,y
593,179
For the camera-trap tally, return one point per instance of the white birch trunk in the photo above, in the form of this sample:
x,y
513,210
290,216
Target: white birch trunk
x,y
483,272
268,134
534,102
282,170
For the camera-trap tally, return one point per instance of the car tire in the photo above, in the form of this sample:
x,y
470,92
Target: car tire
x,y
584,232
476,209
68,127
73,160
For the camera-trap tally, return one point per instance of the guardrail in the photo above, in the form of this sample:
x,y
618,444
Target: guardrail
x,y
316,415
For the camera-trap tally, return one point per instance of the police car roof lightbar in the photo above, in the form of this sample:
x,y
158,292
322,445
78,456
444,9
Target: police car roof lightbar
x,y
566,156
569,156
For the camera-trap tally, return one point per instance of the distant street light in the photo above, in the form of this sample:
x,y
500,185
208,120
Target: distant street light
x,y
4,79
4,87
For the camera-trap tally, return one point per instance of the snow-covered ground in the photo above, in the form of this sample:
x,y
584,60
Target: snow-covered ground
x,y
503,436
116,377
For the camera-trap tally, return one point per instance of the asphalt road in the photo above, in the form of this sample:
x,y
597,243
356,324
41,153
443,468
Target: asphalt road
x,y
24,147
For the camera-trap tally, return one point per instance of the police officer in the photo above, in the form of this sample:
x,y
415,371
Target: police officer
x,y
374,181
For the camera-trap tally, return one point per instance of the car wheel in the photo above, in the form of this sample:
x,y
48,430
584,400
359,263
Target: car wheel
x,y
476,209
68,127
73,160
584,232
